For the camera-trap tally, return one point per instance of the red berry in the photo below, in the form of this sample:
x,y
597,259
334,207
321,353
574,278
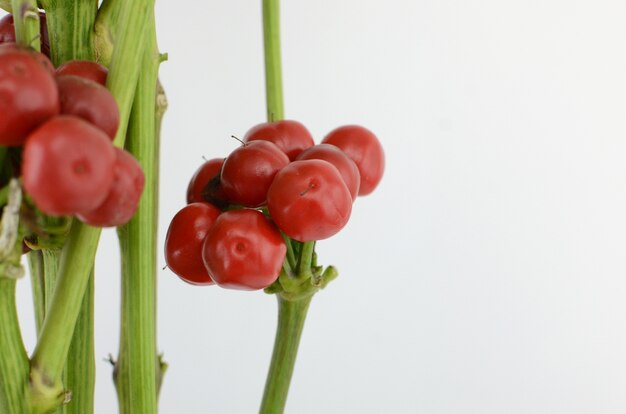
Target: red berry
x,y
243,250
28,94
123,197
249,170
309,200
90,101
290,136
183,243
365,150
68,166
85,69
7,29
344,164
206,182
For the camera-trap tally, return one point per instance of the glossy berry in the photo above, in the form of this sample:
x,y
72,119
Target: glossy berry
x,y
184,240
249,170
85,69
205,183
90,101
309,200
124,195
68,166
290,136
344,164
363,147
243,250
28,94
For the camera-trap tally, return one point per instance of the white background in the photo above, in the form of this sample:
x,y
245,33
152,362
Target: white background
x,y
486,274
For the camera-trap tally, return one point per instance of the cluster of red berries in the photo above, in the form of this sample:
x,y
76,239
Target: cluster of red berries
x,y
276,186
65,119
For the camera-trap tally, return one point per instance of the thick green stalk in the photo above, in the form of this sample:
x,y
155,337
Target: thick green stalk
x,y
79,375
70,28
137,369
127,56
273,69
80,368
48,359
291,317
13,358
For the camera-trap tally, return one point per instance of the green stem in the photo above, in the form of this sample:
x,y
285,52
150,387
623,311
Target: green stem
x,y
291,317
137,368
290,256
13,358
70,28
51,258
127,55
79,375
273,70
79,371
306,257
35,264
52,349
26,21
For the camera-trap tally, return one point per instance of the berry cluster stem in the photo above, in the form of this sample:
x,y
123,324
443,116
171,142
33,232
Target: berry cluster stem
x,y
291,317
291,312
273,65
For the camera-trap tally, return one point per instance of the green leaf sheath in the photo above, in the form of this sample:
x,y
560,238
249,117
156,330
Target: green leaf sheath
x,y
137,371
291,317
13,358
273,66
